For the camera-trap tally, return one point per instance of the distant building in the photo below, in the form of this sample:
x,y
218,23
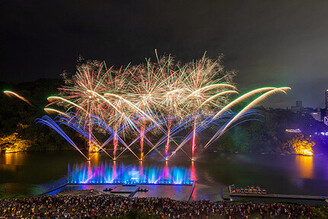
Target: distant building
x,y
317,115
298,108
326,101
325,120
307,110
299,103
326,98
323,113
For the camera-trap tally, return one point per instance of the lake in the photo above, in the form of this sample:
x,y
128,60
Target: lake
x,y
33,173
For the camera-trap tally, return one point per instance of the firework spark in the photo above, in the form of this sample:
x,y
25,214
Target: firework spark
x,y
13,94
158,100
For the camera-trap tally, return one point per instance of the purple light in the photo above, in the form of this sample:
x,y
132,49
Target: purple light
x,y
107,173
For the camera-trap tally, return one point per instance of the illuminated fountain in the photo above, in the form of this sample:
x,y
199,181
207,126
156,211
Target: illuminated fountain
x,y
108,173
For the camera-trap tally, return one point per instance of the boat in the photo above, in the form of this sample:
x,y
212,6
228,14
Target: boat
x,y
258,192
246,190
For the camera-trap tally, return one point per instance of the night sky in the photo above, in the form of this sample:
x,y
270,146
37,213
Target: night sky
x,y
269,43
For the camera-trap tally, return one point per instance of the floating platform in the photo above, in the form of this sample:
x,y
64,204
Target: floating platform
x,y
177,192
276,196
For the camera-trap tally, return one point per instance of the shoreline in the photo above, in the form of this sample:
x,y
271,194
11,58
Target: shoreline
x,y
95,193
208,152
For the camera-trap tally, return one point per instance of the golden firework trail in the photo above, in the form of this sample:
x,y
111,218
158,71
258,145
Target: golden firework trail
x,y
11,93
162,100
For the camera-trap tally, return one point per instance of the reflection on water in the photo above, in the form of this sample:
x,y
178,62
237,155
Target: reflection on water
x,y
14,158
10,161
305,166
287,174
96,158
194,178
108,172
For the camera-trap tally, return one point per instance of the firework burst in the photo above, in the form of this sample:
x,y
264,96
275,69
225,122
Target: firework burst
x,y
161,100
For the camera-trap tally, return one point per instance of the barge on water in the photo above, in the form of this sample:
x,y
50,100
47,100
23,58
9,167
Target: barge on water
x,y
247,190
258,192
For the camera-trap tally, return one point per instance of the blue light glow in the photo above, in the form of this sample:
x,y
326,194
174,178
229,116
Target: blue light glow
x,y
107,173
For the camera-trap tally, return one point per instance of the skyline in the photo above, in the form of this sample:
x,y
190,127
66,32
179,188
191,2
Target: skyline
x,y
268,43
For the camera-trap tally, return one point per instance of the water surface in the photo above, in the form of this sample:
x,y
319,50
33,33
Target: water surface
x,y
33,173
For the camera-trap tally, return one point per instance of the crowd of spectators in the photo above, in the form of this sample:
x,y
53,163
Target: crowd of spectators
x,y
84,206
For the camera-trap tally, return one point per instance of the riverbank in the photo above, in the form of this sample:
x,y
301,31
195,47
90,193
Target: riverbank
x,y
50,149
